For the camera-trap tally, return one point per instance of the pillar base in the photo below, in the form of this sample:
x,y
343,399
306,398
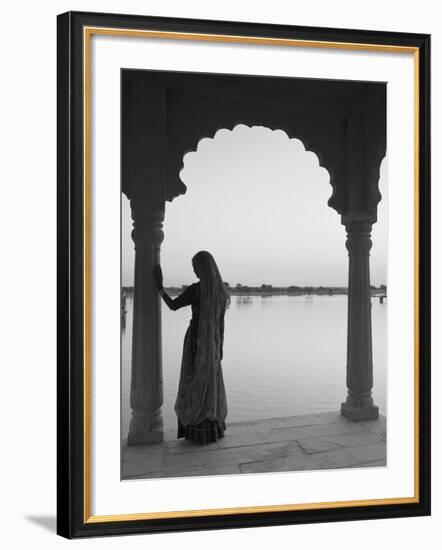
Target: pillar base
x,y
145,429
358,413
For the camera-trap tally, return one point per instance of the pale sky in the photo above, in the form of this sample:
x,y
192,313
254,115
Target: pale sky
x,y
258,202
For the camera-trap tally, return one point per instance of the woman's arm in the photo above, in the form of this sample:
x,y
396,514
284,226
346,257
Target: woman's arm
x,y
158,279
182,300
167,299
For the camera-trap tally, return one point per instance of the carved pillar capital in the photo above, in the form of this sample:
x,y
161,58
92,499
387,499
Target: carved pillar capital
x,y
148,217
358,238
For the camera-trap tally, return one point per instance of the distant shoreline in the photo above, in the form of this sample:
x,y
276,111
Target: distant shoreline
x,y
269,290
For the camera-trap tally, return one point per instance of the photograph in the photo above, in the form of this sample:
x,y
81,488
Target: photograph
x,y
253,288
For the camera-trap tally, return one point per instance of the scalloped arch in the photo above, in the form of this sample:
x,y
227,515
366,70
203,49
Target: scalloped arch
x,y
307,144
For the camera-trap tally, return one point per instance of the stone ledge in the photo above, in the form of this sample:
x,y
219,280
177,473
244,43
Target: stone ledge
x,y
308,442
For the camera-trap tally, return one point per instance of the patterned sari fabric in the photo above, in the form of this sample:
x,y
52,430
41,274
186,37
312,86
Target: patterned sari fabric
x,y
201,404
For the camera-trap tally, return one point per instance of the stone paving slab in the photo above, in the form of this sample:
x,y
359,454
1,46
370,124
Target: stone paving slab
x,y
342,458
236,455
229,469
236,436
142,458
320,444
373,464
308,442
295,421
378,427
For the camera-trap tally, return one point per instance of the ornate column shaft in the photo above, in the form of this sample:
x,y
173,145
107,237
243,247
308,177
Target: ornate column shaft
x,y
146,390
359,404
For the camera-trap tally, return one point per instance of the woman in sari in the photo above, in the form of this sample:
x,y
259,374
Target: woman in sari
x,y
201,404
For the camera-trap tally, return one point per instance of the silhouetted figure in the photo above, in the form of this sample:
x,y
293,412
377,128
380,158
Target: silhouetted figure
x,y
201,404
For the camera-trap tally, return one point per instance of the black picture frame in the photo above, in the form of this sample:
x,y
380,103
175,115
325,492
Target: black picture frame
x,y
72,513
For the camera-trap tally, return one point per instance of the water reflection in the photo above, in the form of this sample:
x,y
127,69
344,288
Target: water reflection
x,y
243,300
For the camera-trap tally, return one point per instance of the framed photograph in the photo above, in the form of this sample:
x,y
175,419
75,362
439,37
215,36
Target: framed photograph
x,y
243,274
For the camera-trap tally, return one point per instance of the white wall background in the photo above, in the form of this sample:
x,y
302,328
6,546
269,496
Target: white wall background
x,y
28,231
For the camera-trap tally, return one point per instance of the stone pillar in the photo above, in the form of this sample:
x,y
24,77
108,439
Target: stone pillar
x,y
146,390
359,404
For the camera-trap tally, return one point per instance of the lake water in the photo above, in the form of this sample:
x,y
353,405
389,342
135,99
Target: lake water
x,y
283,356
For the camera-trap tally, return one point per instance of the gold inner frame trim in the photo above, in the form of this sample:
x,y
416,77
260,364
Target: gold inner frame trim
x,y
138,33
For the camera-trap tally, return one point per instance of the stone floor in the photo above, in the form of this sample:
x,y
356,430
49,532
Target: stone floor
x,y
311,442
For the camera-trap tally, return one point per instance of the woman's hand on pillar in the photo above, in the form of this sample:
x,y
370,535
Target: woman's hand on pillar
x,y
158,276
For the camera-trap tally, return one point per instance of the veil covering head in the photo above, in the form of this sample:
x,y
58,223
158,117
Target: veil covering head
x,y
202,382
210,279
